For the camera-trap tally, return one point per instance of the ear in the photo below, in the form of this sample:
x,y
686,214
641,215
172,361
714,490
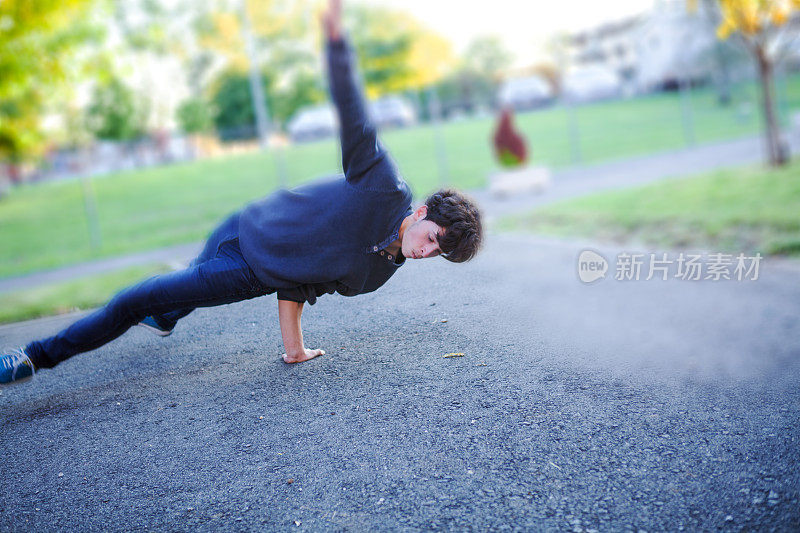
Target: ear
x,y
421,212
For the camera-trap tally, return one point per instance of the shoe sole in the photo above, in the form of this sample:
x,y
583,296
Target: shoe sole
x,y
151,329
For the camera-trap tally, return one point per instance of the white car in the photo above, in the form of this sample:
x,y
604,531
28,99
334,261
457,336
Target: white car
x,y
590,84
525,93
392,111
313,123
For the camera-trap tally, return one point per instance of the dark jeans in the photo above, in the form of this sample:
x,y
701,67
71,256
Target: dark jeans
x,y
219,275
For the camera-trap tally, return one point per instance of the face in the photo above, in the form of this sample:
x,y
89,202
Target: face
x,y
420,238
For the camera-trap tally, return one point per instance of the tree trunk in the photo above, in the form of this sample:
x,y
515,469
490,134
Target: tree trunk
x,y
776,152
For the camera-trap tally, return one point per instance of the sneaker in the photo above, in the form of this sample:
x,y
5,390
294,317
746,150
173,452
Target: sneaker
x,y
15,366
150,324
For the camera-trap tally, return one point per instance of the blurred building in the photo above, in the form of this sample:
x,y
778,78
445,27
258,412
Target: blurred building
x,y
654,50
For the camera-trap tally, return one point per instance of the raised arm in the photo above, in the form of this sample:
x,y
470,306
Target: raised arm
x,y
360,147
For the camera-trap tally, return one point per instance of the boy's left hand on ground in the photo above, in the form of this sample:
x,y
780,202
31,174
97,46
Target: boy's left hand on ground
x,y
300,357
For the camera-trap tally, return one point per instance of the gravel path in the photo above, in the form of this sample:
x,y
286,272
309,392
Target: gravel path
x,y
656,406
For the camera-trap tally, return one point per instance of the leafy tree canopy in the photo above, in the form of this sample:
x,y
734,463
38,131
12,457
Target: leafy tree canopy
x,y
194,116
38,44
396,53
487,57
234,116
754,17
114,113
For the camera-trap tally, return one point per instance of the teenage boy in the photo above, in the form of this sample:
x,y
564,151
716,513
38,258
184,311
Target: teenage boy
x,y
347,234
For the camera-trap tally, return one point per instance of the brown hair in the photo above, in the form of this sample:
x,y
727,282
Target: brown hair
x,y
461,220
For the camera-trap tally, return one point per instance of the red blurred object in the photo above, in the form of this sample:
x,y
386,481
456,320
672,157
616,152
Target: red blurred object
x,y
509,145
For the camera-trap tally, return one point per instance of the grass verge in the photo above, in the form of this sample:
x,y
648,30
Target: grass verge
x,y
65,297
739,210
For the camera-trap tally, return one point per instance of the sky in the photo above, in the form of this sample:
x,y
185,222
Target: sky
x,y
524,25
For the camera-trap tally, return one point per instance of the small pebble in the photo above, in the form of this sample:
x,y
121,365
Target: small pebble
x,y
61,474
729,518
290,481
444,320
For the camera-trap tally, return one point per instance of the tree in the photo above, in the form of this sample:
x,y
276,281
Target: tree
x,y
274,22
487,56
284,54
194,116
39,40
115,113
476,79
234,115
395,52
765,28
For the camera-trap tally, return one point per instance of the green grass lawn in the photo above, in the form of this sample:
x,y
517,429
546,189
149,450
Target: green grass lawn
x,y
44,226
64,297
743,210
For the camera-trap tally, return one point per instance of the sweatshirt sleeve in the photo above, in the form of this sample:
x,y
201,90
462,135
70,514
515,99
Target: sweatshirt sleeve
x,y
361,149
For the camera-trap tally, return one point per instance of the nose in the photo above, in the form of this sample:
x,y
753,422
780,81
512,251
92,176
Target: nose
x,y
428,249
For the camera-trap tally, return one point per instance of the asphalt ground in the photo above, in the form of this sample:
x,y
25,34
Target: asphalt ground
x,y
639,405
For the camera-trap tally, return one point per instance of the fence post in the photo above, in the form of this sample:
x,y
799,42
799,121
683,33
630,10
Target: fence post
x,y
574,134
257,93
686,111
90,208
280,164
435,110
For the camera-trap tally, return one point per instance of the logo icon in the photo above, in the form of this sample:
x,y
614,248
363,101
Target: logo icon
x,y
591,266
